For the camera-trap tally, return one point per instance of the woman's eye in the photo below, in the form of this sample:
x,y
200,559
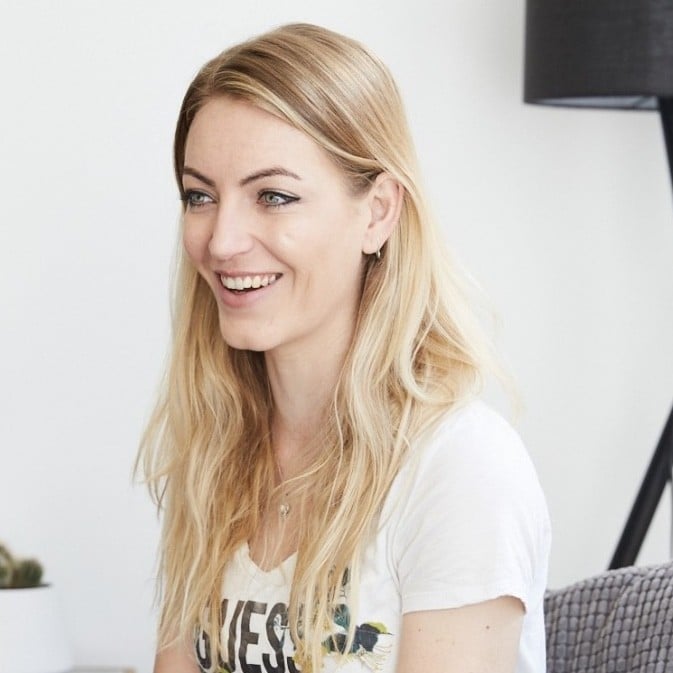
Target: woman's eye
x,y
194,199
275,199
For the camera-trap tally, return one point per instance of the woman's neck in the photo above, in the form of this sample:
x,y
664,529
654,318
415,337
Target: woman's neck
x,y
302,385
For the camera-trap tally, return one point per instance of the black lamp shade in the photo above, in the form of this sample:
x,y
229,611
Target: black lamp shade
x,y
599,53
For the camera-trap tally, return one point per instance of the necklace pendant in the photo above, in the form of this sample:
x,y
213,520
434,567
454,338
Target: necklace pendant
x,y
284,510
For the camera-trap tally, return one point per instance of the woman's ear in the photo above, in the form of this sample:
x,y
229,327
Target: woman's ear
x,y
385,205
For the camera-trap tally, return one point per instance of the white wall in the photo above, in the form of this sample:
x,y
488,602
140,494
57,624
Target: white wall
x,y
563,216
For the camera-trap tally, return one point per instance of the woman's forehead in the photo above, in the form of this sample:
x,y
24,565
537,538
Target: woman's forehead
x,y
234,134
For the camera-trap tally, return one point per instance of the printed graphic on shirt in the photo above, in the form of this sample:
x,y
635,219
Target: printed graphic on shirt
x,y
370,644
256,639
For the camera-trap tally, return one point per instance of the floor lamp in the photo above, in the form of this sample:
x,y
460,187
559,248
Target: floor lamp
x,y
609,54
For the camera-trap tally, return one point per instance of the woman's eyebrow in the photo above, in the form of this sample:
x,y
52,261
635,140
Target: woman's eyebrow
x,y
199,176
257,175
267,173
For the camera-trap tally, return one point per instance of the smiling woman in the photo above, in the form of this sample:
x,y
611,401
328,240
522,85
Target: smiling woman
x,y
333,493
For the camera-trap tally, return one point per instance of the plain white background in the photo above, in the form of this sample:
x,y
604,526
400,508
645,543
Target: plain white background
x,y
564,217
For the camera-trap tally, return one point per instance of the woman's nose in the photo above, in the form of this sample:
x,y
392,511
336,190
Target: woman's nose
x,y
231,234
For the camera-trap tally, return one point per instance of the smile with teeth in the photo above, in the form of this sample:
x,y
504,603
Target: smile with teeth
x,y
243,283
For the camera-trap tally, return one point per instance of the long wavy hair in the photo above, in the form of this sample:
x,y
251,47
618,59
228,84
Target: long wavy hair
x,y
416,352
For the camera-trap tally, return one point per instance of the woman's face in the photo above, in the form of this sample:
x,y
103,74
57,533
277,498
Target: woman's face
x,y
271,226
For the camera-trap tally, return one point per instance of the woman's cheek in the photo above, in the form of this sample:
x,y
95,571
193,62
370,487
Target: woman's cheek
x,y
194,242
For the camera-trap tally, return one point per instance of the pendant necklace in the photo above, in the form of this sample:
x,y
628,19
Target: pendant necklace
x,y
284,507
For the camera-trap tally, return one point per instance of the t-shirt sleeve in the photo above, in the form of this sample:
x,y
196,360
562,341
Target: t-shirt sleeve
x,y
473,522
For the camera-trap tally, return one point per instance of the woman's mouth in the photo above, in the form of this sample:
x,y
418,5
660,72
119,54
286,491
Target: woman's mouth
x,y
248,283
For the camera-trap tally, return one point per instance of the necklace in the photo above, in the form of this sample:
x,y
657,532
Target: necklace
x,y
284,507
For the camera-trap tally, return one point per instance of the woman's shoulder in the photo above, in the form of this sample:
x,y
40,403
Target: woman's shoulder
x,y
472,457
471,432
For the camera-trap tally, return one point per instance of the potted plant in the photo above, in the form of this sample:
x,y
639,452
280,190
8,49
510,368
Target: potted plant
x,y
32,637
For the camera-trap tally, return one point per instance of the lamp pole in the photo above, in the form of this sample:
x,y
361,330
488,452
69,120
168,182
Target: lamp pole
x,y
666,113
660,469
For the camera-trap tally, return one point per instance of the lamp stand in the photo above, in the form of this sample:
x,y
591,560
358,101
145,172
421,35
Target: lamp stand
x,y
660,470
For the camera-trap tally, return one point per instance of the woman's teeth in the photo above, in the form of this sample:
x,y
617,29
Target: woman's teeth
x,y
248,282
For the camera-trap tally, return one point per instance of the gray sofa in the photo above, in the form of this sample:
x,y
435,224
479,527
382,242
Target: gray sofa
x,y
618,622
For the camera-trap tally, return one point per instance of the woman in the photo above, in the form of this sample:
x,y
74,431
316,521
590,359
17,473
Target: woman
x,y
333,494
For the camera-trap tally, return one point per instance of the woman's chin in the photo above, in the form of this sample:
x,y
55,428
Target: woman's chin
x,y
246,342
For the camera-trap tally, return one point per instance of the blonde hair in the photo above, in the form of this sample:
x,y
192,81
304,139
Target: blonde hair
x,y
416,353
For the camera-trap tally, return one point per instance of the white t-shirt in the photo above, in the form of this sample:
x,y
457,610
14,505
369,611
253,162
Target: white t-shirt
x,y
465,521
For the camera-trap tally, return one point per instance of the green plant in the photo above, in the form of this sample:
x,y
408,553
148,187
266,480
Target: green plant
x,y
18,573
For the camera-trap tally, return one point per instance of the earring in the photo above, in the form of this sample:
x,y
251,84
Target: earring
x,y
378,254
